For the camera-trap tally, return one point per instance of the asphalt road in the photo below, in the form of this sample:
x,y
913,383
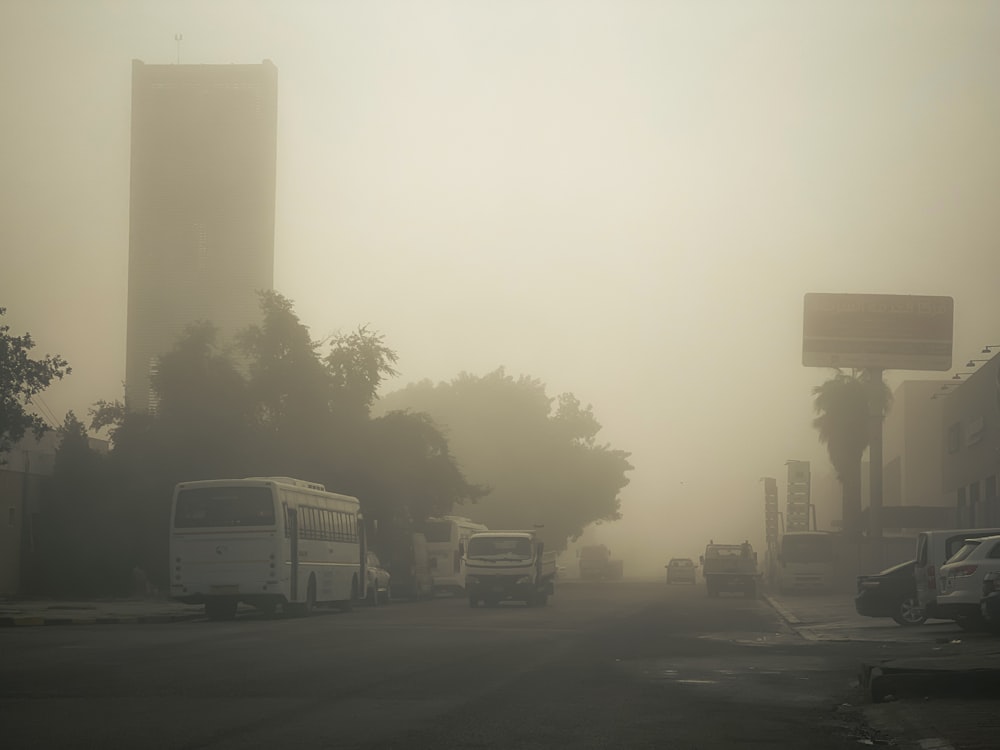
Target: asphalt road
x,y
606,665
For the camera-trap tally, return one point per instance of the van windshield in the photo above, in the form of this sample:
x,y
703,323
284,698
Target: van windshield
x,y
500,548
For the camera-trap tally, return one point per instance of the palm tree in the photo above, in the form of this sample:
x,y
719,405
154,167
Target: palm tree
x,y
844,424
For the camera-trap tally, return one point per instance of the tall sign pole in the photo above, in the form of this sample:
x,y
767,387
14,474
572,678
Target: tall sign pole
x,y
875,418
877,332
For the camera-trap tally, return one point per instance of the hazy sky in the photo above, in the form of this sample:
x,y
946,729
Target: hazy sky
x,y
625,200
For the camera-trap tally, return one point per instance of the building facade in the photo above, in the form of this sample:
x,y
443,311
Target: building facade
x,y
912,446
971,446
201,212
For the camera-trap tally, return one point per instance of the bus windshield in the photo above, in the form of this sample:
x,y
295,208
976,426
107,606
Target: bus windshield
x,y
215,507
807,548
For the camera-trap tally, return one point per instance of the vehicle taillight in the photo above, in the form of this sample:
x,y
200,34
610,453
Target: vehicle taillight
x,y
931,578
965,570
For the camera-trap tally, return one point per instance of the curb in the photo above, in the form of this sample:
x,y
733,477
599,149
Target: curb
x,y
34,621
787,616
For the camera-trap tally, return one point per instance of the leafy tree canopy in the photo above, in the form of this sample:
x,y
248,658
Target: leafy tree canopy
x,y
543,465
21,379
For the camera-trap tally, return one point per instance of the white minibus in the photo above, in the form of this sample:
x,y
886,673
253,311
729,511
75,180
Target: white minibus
x,y
806,561
447,538
275,543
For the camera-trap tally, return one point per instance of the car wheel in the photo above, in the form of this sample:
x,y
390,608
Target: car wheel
x,y
909,612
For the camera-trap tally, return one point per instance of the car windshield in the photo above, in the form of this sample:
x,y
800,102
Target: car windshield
x,y
682,563
898,569
964,551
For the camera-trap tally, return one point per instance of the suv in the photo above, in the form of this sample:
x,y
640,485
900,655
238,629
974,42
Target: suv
x,y
962,582
934,549
680,570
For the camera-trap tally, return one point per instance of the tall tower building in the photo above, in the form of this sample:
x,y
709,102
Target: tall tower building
x,y
201,214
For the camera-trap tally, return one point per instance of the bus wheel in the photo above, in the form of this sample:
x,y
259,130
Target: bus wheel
x,y
311,596
348,605
220,609
473,602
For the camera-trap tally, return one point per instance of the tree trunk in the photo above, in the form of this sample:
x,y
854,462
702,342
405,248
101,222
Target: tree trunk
x,y
851,485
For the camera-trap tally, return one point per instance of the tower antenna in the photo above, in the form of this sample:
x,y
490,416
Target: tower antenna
x,y
178,38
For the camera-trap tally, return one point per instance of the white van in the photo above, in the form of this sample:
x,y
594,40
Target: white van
x,y
934,549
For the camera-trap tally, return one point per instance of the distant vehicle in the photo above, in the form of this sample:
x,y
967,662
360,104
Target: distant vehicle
x,y
681,570
806,561
891,593
379,581
404,555
446,537
596,563
509,566
934,548
730,567
275,543
962,579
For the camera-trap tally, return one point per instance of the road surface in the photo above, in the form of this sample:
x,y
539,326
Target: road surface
x,y
605,665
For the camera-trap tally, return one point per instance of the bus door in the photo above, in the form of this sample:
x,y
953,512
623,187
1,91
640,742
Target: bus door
x,y
363,562
292,516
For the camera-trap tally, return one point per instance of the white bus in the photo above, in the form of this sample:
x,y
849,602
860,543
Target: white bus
x,y
447,538
275,543
806,561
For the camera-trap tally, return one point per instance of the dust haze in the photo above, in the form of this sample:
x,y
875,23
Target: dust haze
x,y
625,200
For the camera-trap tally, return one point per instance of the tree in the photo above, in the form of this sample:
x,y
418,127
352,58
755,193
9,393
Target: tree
x,y
21,379
284,409
844,405
543,466
358,363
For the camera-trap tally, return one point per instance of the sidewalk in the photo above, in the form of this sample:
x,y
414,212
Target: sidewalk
x,y
946,696
28,612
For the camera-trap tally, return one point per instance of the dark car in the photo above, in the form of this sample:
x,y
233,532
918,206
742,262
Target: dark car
x,y
891,593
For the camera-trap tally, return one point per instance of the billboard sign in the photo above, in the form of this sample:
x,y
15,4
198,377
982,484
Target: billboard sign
x,y
887,331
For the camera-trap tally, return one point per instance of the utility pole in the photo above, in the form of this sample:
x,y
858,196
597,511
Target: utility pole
x,y
178,38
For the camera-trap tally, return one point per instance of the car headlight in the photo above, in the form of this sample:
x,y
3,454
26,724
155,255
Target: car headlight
x,y
522,580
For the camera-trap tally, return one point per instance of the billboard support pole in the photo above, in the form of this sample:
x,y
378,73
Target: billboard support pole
x,y
875,459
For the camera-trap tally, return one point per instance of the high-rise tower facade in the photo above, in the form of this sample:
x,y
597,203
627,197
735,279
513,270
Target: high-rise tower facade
x,y
201,212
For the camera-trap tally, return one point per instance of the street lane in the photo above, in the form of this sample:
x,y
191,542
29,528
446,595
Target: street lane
x,y
616,664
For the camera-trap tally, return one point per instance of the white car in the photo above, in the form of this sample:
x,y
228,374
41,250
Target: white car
x,y
962,582
379,587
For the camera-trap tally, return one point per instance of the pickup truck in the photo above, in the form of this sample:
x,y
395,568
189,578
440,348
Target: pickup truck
x,y
730,567
508,566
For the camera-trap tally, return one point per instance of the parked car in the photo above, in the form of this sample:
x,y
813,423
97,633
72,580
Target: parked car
x,y
989,605
891,593
681,570
379,588
934,549
961,594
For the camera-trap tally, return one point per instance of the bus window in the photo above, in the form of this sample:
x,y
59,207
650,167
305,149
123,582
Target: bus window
x,y
224,507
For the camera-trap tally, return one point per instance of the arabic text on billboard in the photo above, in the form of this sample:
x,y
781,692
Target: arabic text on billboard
x,y
888,331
